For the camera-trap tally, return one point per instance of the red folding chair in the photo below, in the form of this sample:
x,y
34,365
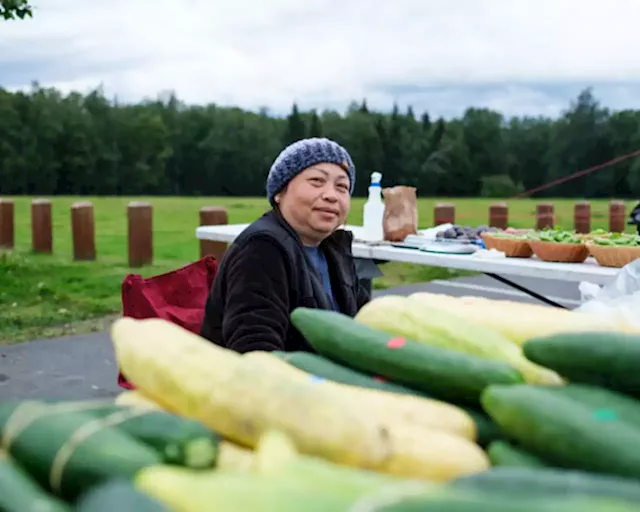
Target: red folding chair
x,y
178,296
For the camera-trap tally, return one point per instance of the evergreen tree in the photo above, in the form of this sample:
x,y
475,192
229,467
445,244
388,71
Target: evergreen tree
x,y
296,128
315,128
12,9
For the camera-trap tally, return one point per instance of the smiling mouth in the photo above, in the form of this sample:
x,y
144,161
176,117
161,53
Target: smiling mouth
x,y
327,212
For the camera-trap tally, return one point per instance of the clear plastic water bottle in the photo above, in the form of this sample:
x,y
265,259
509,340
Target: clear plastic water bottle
x,y
374,210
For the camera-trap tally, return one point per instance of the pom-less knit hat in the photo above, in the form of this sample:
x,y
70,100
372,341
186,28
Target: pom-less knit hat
x,y
302,154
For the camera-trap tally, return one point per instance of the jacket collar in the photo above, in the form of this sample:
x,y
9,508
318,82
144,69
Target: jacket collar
x,y
337,248
340,240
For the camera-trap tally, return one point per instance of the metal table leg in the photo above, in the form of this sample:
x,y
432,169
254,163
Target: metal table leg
x,y
526,290
367,270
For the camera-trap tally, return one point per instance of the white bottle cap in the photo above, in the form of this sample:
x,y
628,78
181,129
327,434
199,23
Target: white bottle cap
x,y
375,179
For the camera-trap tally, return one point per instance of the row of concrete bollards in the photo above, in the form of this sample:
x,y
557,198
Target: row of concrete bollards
x,y
140,225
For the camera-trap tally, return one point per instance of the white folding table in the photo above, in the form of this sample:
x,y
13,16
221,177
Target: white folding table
x,y
493,267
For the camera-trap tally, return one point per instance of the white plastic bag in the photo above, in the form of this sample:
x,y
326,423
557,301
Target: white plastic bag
x,y
588,291
619,301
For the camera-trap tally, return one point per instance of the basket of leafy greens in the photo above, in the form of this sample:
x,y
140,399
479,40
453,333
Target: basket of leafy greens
x,y
615,249
558,245
513,243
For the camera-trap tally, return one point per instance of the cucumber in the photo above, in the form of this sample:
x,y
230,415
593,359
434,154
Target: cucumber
x,y
487,429
564,431
489,502
502,453
20,493
178,440
550,482
42,445
607,359
330,370
443,373
116,495
604,401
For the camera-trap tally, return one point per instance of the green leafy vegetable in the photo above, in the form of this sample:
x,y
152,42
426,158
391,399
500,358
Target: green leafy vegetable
x,y
557,235
618,239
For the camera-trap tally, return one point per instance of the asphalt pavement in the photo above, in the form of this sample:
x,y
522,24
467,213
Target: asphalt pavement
x,y
83,366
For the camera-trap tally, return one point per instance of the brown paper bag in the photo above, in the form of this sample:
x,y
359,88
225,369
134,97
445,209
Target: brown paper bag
x,y
400,213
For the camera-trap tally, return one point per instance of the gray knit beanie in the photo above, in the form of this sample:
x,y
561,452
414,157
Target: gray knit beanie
x,y
304,153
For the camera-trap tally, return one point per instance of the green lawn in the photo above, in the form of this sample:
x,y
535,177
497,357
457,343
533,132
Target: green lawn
x,y
43,295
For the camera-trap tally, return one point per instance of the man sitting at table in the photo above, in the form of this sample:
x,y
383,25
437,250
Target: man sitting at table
x,y
292,256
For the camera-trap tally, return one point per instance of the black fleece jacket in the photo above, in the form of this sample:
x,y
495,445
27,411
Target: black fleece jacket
x,y
264,276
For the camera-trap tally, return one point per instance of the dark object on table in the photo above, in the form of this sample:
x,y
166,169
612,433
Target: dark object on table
x,y
634,217
465,233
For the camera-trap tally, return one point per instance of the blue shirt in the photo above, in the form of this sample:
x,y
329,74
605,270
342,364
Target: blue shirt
x,y
319,261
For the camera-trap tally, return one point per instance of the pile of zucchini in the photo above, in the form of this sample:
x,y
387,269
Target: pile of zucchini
x,y
59,456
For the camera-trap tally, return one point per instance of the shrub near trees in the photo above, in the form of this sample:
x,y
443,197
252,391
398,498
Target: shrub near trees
x,y
87,144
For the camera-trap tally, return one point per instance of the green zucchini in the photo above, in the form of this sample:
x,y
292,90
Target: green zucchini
x,y
487,429
181,441
505,481
178,440
117,496
604,402
607,359
330,370
564,431
20,493
443,373
488,502
499,504
503,453
68,452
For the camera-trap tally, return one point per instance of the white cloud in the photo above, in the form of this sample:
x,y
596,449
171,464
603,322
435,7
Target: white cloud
x,y
321,53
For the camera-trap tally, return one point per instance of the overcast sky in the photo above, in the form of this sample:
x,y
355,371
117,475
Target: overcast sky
x,y
517,56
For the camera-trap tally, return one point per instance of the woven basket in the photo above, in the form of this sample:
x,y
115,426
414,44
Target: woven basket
x,y
612,255
559,252
511,247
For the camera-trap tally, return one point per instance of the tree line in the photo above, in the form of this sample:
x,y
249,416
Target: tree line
x,y
15,9
75,144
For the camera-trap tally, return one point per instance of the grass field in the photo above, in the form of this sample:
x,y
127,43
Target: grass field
x,y
43,295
